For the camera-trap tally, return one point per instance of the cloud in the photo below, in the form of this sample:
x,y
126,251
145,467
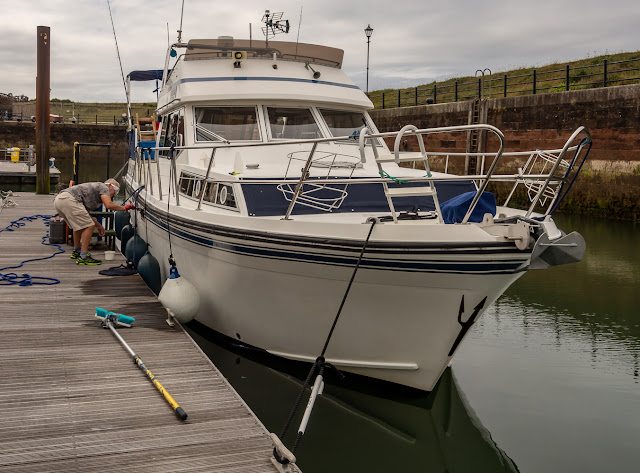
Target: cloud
x,y
412,43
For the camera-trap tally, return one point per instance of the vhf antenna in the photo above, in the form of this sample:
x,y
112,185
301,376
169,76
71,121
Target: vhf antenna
x,y
274,24
180,30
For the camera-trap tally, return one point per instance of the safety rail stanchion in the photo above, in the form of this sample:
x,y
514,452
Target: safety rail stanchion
x,y
148,172
176,187
300,185
487,177
157,155
206,177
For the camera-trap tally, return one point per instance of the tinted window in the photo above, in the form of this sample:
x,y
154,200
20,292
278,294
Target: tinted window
x,y
229,123
186,184
211,195
292,123
343,123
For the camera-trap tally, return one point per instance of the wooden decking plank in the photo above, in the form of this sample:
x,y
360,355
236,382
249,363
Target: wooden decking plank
x,y
71,397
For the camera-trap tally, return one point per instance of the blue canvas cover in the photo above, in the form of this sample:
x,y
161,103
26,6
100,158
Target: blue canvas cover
x,y
267,199
155,74
454,210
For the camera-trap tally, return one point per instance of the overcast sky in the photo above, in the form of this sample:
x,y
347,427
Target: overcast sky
x,y
413,41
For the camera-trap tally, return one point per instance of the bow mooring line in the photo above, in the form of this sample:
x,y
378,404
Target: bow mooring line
x,y
282,457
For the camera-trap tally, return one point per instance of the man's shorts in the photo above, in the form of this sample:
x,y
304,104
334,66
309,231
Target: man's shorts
x,y
72,211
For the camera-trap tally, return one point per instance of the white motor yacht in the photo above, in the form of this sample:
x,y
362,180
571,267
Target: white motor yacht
x,y
269,184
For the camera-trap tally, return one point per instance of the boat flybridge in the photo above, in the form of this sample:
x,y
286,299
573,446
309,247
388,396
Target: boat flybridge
x,y
271,187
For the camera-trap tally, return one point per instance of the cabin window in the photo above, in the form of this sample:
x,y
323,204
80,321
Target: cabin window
x,y
226,123
215,193
220,194
292,123
343,122
191,186
172,131
198,187
186,184
211,193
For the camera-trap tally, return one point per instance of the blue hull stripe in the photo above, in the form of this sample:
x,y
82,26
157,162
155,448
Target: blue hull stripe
x,y
435,266
267,79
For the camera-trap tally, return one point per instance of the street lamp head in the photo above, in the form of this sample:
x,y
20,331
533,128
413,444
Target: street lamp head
x,y
368,31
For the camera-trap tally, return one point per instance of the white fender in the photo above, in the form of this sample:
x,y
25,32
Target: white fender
x,y
180,296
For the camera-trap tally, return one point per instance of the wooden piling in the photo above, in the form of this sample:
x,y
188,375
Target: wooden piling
x,y
43,110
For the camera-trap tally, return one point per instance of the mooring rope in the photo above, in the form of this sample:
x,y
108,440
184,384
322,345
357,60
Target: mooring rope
x,y
175,191
7,201
10,279
394,179
320,362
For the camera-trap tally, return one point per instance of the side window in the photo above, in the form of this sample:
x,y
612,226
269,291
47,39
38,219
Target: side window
x,y
163,130
292,123
211,193
342,122
221,195
226,123
198,187
186,184
226,196
172,131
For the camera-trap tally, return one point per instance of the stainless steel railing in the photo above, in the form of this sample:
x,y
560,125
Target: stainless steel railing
x,y
542,179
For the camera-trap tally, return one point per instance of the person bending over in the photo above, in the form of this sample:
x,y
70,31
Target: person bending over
x,y
75,203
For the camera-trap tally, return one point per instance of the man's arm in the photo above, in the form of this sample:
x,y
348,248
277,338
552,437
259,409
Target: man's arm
x,y
109,204
100,228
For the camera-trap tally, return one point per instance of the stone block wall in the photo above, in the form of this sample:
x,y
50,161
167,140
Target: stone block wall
x,y
541,121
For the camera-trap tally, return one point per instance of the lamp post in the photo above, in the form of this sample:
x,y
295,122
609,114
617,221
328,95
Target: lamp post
x,y
368,31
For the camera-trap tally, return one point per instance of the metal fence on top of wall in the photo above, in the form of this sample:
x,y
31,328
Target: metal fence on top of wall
x,y
485,85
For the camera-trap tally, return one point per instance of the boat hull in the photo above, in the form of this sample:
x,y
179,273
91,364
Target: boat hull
x,y
397,325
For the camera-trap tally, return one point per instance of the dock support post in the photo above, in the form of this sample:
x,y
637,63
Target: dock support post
x,y
43,128
30,154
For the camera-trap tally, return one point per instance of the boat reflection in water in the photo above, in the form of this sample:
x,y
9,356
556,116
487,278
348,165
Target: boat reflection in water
x,y
387,429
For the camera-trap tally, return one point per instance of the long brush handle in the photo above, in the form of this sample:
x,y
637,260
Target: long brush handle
x,y
136,359
172,402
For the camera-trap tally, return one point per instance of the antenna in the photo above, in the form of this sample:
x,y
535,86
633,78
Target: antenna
x,y
124,82
180,30
274,24
298,36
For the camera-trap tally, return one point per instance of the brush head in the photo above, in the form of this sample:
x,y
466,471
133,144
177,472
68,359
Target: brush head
x,y
117,319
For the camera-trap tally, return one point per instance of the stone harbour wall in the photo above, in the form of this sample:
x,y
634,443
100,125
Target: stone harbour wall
x,y
609,184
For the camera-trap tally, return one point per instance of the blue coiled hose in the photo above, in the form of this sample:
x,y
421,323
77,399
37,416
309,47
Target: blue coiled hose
x,y
9,279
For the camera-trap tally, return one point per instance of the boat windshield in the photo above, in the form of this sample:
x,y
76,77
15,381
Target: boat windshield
x,y
343,122
292,123
226,123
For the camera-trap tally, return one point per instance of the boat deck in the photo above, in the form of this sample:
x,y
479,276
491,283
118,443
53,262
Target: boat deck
x,y
71,397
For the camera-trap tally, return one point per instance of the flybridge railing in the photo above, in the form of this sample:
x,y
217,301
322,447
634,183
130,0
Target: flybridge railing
x,y
537,182
604,74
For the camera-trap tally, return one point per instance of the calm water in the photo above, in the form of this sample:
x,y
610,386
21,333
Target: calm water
x,y
547,381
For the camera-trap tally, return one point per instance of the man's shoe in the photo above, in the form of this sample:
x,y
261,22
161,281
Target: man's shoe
x,y
88,260
75,254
